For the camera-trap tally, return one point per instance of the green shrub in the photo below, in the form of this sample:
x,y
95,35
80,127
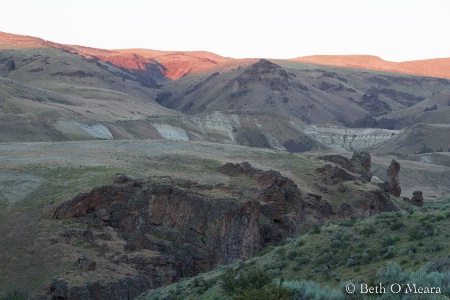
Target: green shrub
x,y
348,223
326,257
296,268
269,292
280,265
234,281
315,230
409,250
312,290
265,250
393,273
292,254
302,260
367,231
416,234
396,225
300,243
389,252
15,295
352,262
438,265
389,240
252,283
447,214
436,247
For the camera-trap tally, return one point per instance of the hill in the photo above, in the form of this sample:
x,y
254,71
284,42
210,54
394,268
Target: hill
x,y
438,67
313,95
54,92
319,264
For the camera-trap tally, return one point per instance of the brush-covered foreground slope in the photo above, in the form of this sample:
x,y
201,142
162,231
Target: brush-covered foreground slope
x,y
314,94
319,264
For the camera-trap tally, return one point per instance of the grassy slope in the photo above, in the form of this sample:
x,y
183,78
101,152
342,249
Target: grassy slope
x,y
28,260
350,250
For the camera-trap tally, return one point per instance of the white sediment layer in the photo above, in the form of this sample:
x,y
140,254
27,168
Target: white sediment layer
x,y
170,132
349,139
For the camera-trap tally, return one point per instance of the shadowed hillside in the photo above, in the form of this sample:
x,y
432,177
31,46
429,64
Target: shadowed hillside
x,y
313,95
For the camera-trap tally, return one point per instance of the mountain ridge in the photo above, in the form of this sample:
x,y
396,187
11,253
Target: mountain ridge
x,y
181,63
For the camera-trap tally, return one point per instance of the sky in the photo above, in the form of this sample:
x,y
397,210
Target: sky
x,y
396,30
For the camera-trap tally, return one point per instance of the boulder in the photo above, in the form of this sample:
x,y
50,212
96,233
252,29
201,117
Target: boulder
x,y
417,198
85,264
393,186
10,65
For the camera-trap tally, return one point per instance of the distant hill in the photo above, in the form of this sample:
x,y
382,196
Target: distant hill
x,y
437,67
53,92
176,64
314,94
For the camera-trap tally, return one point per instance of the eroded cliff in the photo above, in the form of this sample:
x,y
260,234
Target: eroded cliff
x,y
155,232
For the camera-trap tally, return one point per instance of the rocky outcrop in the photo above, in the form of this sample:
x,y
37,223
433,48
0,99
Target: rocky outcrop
x,y
86,264
417,198
333,175
10,65
280,199
350,139
227,230
127,288
266,72
190,226
393,186
166,229
424,149
337,179
360,163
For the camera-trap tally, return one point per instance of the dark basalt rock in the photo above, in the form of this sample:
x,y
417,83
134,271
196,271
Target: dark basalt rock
x,y
192,231
417,198
360,163
128,288
392,173
189,228
333,175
